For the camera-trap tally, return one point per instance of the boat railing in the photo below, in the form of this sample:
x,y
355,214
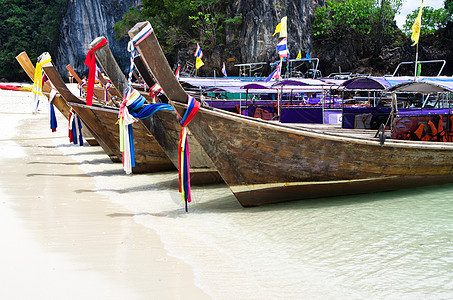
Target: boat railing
x,y
293,66
421,62
189,68
250,68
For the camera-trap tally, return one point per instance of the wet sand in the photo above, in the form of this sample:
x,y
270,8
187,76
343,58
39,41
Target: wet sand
x,y
62,239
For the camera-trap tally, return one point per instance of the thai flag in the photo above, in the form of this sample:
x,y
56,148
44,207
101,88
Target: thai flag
x,y
276,73
224,70
282,48
198,53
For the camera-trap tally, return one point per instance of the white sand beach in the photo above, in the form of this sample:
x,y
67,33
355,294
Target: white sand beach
x,y
61,239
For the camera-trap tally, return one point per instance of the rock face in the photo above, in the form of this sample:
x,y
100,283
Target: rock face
x,y
86,20
260,18
252,41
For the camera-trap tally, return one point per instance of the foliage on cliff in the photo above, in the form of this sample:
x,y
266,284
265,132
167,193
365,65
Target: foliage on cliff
x,y
432,19
371,21
178,23
362,36
29,26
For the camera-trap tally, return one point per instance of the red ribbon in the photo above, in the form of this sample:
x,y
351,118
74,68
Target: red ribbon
x,y
90,61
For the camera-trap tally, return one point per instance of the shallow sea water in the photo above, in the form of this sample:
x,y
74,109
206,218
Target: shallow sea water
x,y
383,245
376,246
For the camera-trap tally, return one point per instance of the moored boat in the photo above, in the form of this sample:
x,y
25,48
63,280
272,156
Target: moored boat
x,y
266,162
16,87
102,120
163,125
58,102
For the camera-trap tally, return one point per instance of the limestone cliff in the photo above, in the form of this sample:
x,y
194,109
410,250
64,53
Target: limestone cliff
x,y
252,41
259,20
83,21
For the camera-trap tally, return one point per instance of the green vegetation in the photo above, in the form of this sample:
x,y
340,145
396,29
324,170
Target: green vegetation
x,y
368,18
32,26
180,22
432,19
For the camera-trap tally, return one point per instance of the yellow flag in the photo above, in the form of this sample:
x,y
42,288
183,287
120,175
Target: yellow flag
x,y
277,29
284,28
199,63
416,27
299,55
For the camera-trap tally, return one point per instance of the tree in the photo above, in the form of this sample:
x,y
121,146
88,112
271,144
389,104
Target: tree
x,y
369,19
432,19
183,22
32,26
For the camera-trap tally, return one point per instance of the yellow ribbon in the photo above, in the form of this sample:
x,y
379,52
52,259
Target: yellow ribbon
x,y
37,84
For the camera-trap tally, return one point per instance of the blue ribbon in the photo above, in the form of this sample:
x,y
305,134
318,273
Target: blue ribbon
x,y
53,118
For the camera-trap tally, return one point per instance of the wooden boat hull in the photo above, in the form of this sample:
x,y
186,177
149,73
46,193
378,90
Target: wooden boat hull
x,y
59,102
163,126
102,120
165,129
266,162
149,156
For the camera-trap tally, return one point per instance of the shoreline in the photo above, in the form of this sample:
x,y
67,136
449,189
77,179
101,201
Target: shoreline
x,y
79,243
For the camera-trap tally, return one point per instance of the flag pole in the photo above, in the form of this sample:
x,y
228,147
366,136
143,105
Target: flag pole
x,y
416,60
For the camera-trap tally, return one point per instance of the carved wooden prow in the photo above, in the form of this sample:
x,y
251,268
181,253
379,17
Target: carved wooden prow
x,y
155,59
108,63
28,67
74,74
59,84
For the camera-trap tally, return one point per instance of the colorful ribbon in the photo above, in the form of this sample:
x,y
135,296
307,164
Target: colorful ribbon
x,y
90,61
38,80
81,88
183,150
106,90
136,109
75,128
144,33
52,117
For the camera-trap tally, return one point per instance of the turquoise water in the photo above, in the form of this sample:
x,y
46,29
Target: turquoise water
x,y
386,245
379,246
373,246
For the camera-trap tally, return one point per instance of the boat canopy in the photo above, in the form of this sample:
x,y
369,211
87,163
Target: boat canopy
x,y
260,86
366,83
424,87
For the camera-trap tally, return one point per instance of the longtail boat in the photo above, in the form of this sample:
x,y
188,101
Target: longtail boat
x,y
163,125
16,87
267,162
102,119
59,102
99,92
